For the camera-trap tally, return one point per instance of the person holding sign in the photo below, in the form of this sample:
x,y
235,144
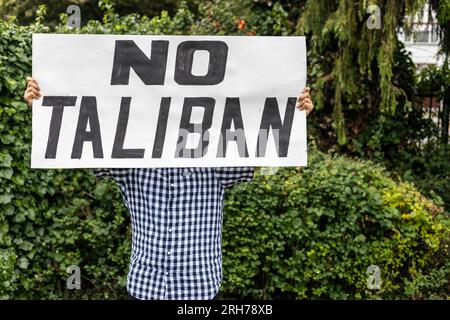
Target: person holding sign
x,y
176,216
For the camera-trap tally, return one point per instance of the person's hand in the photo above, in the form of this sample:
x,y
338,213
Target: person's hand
x,y
32,92
304,101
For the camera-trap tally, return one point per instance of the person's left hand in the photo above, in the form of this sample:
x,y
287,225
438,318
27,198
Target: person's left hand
x,y
304,101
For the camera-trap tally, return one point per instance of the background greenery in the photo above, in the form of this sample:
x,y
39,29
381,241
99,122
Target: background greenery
x,y
376,191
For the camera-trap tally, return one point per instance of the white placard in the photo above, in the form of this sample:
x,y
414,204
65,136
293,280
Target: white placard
x,y
130,101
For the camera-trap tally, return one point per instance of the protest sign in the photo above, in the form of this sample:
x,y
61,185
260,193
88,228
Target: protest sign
x,y
168,101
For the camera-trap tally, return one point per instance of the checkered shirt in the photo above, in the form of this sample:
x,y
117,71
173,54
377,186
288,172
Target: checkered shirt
x,y
176,219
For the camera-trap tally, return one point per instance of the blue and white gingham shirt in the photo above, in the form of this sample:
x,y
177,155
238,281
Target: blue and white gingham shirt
x,y
176,218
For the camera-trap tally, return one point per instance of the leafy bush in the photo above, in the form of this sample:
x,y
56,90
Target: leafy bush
x,y
313,232
303,233
433,285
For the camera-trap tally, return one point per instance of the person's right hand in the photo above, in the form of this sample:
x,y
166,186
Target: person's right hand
x,y
32,92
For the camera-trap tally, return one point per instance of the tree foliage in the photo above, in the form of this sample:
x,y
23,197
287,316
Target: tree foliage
x,y
358,72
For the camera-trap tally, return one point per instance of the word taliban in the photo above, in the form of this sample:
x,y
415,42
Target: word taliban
x,y
127,56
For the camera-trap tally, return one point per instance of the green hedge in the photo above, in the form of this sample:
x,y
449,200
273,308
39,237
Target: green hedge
x,y
313,232
302,233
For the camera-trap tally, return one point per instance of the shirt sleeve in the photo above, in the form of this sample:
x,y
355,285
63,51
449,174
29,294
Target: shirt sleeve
x,y
228,176
101,173
117,174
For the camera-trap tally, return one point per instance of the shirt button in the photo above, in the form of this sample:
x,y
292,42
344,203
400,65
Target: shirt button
x,y
172,185
170,229
168,252
167,273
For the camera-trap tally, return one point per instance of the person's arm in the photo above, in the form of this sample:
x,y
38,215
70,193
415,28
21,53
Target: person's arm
x,y
228,175
304,101
32,91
